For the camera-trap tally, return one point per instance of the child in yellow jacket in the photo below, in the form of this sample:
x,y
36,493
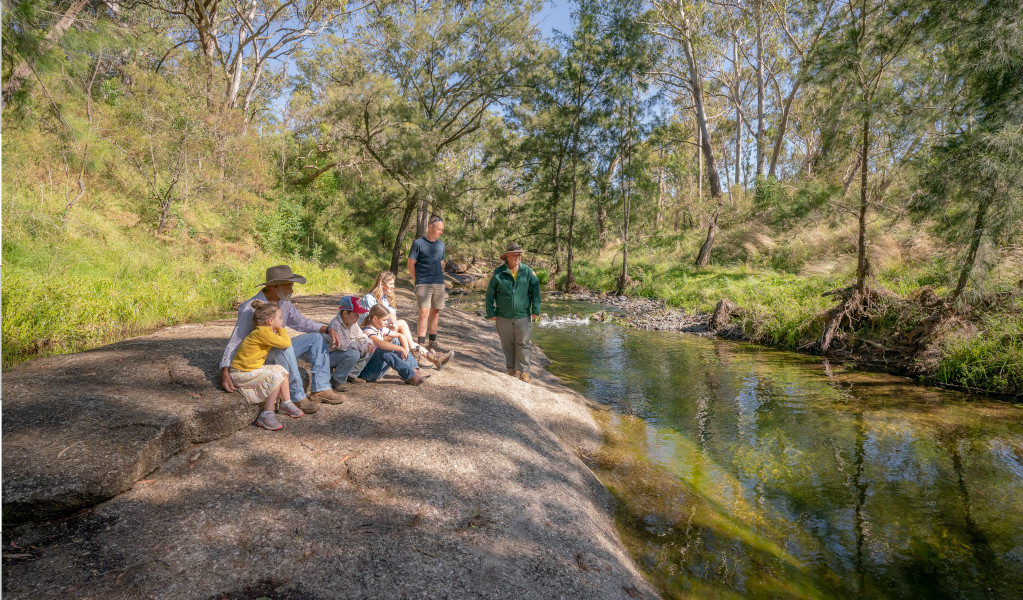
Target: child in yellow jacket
x,y
260,382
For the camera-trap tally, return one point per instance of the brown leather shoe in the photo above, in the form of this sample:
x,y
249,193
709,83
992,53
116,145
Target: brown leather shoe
x,y
356,379
524,377
327,397
416,380
512,372
308,406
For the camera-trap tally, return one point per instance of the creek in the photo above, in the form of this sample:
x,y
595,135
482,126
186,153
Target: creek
x,y
748,472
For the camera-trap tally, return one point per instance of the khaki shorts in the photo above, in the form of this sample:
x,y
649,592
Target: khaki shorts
x,y
430,295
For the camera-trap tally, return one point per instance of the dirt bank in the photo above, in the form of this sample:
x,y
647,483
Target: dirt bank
x,y
470,485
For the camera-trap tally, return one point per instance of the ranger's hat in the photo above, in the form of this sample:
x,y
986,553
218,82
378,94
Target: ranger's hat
x,y
281,274
511,248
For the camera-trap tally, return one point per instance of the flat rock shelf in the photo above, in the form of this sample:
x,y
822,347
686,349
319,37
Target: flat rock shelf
x,y
127,473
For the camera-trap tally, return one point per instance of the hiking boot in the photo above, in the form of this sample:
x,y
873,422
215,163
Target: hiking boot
x,y
288,407
435,347
416,380
445,357
356,379
268,420
512,372
327,397
439,359
524,377
308,406
338,386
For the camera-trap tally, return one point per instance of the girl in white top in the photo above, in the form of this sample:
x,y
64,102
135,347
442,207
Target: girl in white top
x,y
382,293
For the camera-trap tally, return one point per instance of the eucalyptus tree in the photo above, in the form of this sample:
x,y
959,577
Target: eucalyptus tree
x,y
973,180
801,25
418,79
683,28
240,39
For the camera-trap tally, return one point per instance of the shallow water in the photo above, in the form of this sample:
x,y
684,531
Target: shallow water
x,y
750,472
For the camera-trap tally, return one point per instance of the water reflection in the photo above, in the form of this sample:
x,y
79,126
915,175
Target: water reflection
x,y
758,473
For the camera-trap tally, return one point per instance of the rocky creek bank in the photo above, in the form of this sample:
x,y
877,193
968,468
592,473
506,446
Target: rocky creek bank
x,y
128,473
895,356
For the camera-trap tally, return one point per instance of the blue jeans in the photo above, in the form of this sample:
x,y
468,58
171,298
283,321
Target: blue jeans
x,y
381,360
314,347
348,363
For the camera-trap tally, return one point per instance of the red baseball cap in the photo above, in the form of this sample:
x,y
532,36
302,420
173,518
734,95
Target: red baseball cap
x,y
351,303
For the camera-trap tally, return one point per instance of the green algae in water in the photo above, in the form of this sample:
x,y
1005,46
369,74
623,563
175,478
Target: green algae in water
x,y
745,472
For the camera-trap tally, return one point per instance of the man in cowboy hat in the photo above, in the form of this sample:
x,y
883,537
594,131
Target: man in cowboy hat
x,y
513,300
277,288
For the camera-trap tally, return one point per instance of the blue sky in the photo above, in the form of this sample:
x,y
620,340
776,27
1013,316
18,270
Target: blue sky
x,y
556,14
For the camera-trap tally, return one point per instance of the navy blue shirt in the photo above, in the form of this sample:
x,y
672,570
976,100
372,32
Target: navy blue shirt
x,y
427,255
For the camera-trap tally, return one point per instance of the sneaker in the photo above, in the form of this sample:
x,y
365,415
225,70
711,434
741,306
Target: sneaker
x,y
308,406
288,407
327,397
356,379
268,420
416,380
524,377
337,386
512,372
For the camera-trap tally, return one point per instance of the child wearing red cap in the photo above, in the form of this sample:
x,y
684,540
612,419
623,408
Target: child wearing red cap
x,y
355,348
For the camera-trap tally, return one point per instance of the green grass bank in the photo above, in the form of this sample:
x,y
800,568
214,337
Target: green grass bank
x,y
982,350
77,280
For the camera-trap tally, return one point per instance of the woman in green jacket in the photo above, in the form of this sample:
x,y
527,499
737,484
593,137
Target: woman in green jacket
x,y
513,300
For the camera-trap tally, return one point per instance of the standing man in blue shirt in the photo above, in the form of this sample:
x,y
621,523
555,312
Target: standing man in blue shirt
x,y
427,273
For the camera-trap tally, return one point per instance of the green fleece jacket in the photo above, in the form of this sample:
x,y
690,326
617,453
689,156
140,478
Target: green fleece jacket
x,y
513,298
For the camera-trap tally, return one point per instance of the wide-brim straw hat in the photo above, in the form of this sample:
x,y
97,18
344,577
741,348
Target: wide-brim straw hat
x,y
511,248
281,274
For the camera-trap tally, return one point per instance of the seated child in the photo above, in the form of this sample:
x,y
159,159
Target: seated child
x,y
382,293
389,352
256,380
355,349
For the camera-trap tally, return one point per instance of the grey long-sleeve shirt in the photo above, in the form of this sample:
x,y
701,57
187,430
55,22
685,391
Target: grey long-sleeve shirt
x,y
292,318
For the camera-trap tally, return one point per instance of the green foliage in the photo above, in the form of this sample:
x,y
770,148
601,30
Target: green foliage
x,y
96,283
991,361
544,275
282,228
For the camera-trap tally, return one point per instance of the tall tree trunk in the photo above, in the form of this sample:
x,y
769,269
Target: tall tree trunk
x,y
399,240
422,216
699,163
782,124
971,256
708,153
659,220
569,277
738,112
24,68
760,90
861,262
623,279
703,258
556,226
